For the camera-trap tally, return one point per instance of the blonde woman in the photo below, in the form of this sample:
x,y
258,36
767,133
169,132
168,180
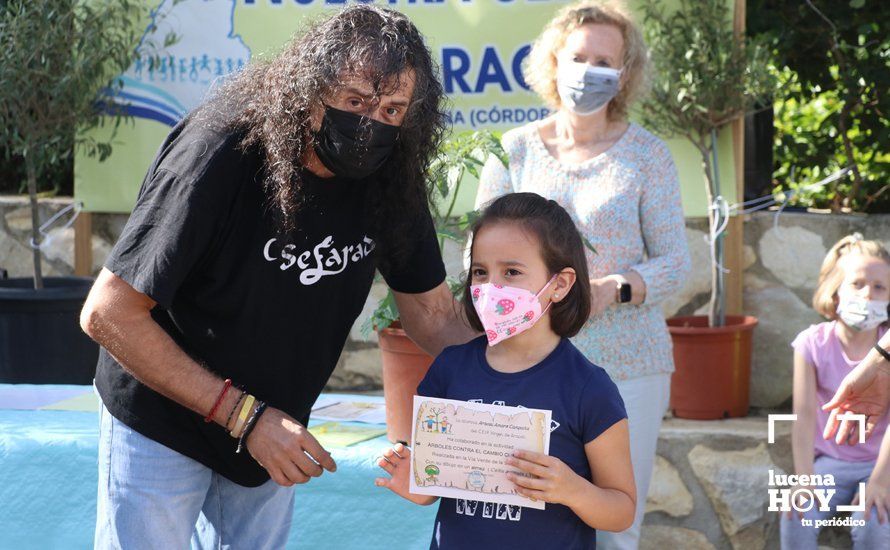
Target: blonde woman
x,y
619,184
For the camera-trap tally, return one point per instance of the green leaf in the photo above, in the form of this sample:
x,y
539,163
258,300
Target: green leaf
x,y
588,244
383,316
445,233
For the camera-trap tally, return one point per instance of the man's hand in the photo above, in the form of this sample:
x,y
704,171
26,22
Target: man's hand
x,y
287,450
865,390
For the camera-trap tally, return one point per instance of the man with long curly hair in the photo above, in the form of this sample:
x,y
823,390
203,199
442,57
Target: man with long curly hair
x,y
225,304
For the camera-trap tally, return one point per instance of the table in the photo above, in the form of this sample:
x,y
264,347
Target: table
x,y
48,476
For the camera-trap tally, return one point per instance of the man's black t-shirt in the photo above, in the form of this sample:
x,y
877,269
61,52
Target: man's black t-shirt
x,y
270,312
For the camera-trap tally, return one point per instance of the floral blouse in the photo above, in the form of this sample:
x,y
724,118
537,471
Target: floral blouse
x,y
626,203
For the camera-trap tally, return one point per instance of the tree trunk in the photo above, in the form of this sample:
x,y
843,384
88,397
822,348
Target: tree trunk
x,y
716,306
718,316
35,221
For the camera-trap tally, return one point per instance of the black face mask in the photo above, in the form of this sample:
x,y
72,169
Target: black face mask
x,y
352,146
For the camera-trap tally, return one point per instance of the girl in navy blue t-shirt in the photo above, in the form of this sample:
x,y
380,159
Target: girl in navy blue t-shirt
x,y
528,291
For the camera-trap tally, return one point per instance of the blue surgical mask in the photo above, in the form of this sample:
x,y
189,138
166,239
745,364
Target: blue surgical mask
x,y
585,89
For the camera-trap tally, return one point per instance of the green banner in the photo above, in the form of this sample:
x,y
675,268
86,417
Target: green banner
x,y
479,44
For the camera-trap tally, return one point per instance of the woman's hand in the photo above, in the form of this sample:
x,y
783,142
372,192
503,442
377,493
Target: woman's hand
x,y
603,294
397,463
551,480
865,390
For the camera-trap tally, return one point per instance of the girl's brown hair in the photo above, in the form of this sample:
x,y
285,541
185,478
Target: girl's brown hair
x,y
831,275
561,247
540,72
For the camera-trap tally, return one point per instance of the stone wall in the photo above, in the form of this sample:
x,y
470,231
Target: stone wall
x,y
781,262
784,259
709,487
58,252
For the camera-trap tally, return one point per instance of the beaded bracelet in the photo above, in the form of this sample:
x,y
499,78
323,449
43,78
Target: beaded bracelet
x,y
226,385
251,423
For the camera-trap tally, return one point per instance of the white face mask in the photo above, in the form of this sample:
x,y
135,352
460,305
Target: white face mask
x,y
861,314
585,89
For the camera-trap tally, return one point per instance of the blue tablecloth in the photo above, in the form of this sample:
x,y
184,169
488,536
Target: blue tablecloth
x,y
48,479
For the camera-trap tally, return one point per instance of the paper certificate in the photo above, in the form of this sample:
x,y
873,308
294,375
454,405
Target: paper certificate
x,y
460,448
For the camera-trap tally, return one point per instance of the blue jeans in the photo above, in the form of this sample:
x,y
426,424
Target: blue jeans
x,y
153,497
847,476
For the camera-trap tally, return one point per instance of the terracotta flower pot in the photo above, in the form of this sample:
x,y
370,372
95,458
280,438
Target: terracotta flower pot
x,y
404,366
713,367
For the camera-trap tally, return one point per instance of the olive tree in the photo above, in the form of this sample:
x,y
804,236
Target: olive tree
x,y
704,77
59,65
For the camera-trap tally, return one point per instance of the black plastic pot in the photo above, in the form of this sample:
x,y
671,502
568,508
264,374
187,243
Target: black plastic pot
x,y
40,337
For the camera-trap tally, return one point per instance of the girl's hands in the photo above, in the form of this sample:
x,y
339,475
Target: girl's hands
x,y
397,463
552,481
878,496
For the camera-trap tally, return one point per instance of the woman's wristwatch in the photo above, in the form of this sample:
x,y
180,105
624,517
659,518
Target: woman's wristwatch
x,y
623,291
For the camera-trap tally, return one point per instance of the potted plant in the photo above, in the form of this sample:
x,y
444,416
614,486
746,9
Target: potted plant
x,y
705,77
404,363
59,58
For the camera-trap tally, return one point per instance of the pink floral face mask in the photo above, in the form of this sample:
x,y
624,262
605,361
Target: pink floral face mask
x,y
505,311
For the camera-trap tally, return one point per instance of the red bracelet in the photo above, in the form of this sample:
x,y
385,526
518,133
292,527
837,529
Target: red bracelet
x,y
226,386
